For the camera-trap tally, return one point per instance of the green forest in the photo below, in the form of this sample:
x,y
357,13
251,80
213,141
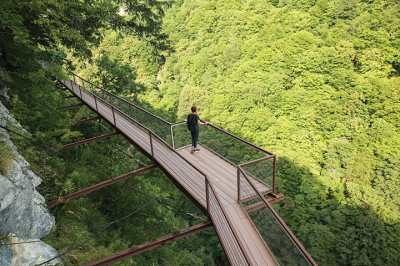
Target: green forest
x,y
316,82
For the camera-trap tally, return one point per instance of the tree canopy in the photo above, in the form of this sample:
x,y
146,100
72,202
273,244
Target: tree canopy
x,y
314,81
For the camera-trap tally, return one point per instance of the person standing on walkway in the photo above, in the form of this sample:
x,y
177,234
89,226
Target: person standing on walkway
x,y
193,121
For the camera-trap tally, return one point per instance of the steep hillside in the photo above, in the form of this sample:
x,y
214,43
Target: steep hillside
x,y
23,214
316,82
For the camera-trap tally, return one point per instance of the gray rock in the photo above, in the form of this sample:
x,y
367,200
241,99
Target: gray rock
x,y
3,92
27,254
22,209
6,255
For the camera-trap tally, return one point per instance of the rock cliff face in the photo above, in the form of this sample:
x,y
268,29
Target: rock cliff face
x,y
23,213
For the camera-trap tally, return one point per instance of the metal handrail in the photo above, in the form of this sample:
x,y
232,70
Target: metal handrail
x,y
176,123
207,181
278,218
260,160
116,96
230,135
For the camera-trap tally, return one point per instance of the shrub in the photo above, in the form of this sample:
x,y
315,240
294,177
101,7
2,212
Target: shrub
x,y
6,157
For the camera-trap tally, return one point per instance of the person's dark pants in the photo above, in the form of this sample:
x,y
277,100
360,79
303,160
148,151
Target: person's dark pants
x,y
195,137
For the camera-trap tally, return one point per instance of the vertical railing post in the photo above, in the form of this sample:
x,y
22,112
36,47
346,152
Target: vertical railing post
x,y
95,102
80,90
130,108
207,196
151,146
172,137
274,176
238,183
110,98
112,107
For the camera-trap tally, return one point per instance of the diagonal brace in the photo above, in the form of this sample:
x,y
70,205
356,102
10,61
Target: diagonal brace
x,y
150,245
259,205
87,120
100,185
89,140
70,106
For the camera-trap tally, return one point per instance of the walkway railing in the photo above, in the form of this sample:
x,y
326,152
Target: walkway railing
x,y
260,163
285,247
232,244
253,163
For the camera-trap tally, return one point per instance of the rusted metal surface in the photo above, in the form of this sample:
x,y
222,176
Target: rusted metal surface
x,y
110,93
150,245
233,247
259,205
258,160
87,120
223,220
277,199
268,192
271,157
89,140
71,106
100,185
83,81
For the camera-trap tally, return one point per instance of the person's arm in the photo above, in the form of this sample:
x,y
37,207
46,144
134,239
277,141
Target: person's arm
x,y
200,123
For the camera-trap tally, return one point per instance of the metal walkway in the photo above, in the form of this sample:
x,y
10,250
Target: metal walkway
x,y
227,179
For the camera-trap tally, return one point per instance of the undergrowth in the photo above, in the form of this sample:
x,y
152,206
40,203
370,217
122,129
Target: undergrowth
x,y
6,157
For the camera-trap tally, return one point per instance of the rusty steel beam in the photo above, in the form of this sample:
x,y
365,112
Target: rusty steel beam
x,y
68,97
267,192
150,245
276,198
87,120
89,140
70,106
261,204
100,185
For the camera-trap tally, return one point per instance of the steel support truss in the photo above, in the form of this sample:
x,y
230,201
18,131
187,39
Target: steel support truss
x,y
68,97
70,106
151,245
259,205
100,185
89,140
88,120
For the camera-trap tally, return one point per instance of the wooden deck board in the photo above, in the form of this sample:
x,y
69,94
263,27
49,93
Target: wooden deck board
x,y
222,174
255,245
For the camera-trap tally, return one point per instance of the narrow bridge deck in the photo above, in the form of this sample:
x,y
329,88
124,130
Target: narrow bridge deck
x,y
224,177
221,174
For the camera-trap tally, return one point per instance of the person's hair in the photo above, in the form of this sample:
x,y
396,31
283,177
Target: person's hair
x,y
194,108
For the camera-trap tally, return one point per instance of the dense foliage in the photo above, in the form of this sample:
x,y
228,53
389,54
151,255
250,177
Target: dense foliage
x,y
35,39
314,81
